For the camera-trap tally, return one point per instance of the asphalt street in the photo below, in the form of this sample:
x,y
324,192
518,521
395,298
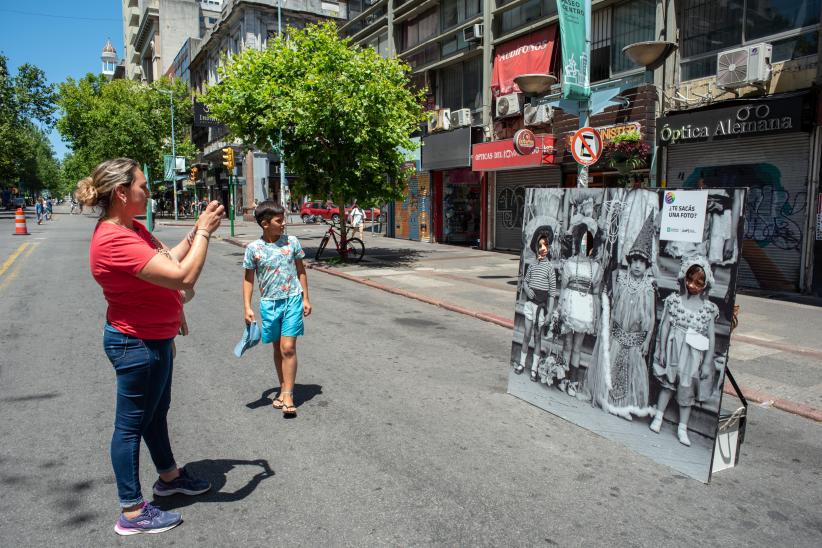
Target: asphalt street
x,y
405,433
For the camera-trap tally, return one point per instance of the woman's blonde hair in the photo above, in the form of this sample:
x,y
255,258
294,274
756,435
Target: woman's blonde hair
x,y
98,189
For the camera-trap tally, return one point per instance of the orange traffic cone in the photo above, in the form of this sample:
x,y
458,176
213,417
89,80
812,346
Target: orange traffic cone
x,y
20,223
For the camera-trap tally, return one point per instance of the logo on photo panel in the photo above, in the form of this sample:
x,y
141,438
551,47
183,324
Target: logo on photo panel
x,y
670,197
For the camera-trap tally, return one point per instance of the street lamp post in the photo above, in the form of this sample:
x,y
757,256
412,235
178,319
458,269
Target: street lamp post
x,y
173,151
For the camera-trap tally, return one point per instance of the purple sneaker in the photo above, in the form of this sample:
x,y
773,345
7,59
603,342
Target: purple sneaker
x,y
183,484
150,520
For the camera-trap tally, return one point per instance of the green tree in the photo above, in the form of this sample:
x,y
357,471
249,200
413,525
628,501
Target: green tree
x,y
345,113
26,111
104,119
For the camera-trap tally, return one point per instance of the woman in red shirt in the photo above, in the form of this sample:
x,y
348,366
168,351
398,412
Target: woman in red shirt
x,y
142,282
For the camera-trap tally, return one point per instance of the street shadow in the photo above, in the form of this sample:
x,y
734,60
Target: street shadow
x,y
302,394
216,472
32,397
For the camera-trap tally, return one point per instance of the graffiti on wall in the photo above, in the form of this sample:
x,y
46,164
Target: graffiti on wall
x,y
412,213
774,217
510,207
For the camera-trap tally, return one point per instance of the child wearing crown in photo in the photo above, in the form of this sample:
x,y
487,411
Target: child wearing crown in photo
x,y
685,350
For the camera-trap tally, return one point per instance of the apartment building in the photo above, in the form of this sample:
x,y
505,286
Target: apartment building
x,y
748,63
243,24
155,30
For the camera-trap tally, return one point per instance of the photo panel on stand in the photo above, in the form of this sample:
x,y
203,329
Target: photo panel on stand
x,y
623,314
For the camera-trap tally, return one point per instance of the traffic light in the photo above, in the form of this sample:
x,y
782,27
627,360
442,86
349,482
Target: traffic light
x,y
193,174
228,158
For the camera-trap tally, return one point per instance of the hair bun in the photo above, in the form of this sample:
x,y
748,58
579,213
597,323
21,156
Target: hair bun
x,y
86,193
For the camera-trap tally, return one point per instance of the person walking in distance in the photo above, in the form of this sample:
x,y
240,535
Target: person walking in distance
x,y
277,261
142,281
39,210
357,217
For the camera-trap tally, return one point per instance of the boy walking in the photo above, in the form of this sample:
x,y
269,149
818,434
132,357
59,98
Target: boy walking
x,y
277,261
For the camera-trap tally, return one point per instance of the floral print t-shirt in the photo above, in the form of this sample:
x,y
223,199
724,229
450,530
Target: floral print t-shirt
x,y
274,265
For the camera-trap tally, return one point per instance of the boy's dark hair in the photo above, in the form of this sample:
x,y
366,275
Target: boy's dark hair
x,y
267,210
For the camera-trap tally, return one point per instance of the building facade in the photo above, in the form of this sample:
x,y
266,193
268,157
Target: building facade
x,y
466,54
154,30
243,24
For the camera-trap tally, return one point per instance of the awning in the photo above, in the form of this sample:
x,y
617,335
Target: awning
x,y
529,54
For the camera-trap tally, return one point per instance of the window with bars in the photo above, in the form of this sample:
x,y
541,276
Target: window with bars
x,y
526,13
615,27
710,26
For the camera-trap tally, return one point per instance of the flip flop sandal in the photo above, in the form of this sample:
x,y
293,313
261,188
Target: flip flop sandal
x,y
290,410
277,404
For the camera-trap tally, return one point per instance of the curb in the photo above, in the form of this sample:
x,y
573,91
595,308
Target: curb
x,y
800,409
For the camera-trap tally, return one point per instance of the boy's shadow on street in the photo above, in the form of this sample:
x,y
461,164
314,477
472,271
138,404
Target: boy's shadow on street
x,y
215,471
302,394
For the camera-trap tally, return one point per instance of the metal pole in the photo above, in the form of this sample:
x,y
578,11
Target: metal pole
x,y
284,194
173,155
584,114
149,214
231,202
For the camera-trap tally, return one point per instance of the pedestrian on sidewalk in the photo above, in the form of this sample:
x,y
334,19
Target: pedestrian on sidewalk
x,y
142,281
356,217
277,261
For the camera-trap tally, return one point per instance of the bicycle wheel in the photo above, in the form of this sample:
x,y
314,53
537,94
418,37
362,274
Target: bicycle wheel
x,y
323,243
354,250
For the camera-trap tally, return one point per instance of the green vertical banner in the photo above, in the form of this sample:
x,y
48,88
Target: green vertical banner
x,y
575,38
168,167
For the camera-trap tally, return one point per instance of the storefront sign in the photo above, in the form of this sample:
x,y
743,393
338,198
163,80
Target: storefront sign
x,y
499,155
754,118
683,215
575,38
525,141
529,54
447,150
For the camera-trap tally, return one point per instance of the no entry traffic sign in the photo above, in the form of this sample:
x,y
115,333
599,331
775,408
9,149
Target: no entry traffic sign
x,y
586,146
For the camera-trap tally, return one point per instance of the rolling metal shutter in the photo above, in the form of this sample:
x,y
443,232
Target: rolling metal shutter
x,y
509,200
775,168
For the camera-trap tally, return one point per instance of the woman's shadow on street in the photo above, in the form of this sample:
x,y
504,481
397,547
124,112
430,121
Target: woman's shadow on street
x,y
302,394
215,471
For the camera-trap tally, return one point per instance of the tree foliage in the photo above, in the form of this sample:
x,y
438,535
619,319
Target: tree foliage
x,y
345,113
27,105
104,119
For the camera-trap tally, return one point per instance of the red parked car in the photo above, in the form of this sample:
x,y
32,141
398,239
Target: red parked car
x,y
329,211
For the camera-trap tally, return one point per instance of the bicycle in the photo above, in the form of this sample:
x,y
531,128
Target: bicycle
x,y
354,248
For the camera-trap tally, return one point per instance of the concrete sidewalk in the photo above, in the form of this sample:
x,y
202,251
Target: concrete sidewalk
x,y
776,355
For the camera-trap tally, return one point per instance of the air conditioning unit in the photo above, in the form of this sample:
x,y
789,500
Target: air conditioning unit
x,y
472,33
461,117
743,66
508,105
439,120
537,115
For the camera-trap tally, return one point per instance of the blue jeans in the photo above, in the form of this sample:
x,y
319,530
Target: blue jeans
x,y
143,368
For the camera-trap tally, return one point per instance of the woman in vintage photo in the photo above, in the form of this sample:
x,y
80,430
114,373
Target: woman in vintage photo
x,y
686,342
618,381
540,287
578,300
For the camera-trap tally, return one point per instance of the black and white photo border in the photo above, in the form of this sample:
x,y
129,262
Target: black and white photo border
x,y
616,212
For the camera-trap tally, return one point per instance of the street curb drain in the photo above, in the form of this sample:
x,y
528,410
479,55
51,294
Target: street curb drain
x,y
757,396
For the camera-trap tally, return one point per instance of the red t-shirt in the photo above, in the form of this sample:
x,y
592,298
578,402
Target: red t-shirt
x,y
135,307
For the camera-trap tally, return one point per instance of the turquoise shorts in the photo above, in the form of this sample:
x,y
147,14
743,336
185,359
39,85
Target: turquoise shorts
x,y
282,318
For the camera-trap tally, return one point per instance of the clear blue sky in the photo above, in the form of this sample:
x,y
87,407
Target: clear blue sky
x,y
64,38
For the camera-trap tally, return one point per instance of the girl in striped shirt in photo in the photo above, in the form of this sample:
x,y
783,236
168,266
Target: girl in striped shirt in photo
x,y
540,287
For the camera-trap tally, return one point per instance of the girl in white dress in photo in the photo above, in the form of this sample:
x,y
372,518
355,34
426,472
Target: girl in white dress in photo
x,y
685,351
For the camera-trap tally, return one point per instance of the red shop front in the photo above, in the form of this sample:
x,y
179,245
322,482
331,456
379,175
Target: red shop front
x,y
511,166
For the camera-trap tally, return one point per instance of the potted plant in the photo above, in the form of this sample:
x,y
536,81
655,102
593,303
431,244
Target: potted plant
x,y
627,152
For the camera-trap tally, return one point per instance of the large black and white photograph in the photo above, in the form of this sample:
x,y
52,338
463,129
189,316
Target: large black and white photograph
x,y
623,314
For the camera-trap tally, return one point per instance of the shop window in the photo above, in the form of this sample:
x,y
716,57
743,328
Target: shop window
x,y
709,26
